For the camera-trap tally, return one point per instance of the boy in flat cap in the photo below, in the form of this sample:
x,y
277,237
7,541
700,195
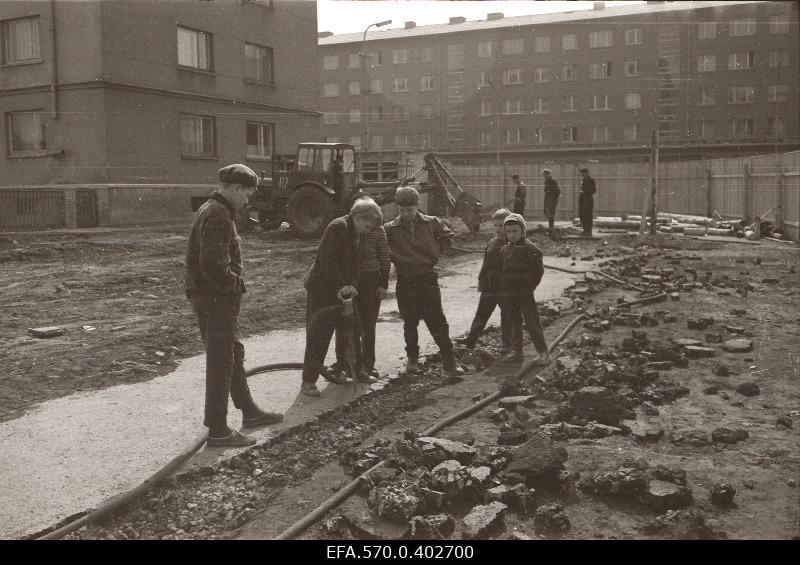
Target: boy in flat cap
x,y
214,285
586,201
551,194
520,193
522,272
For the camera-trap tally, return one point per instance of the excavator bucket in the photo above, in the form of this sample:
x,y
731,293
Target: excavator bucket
x,y
466,206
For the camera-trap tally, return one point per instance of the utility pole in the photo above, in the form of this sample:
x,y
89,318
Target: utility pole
x,y
364,84
649,199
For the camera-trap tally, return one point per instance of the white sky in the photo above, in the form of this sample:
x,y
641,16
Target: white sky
x,y
349,16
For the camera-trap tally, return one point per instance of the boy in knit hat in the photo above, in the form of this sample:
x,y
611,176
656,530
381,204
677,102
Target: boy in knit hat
x,y
522,271
490,286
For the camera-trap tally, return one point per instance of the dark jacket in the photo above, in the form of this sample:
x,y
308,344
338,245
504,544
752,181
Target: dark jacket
x,y
336,263
551,189
214,254
491,275
588,188
520,193
415,250
522,262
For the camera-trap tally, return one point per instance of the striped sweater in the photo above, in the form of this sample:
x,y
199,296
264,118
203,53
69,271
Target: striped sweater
x,y
374,255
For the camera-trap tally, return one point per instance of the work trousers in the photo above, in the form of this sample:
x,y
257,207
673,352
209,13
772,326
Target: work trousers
x,y
521,307
419,298
217,316
550,204
585,212
519,208
367,309
486,305
318,336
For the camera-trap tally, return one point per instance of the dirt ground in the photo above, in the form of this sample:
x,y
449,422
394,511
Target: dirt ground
x,y
750,287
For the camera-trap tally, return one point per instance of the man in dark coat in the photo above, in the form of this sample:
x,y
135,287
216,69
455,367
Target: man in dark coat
x,y
214,285
586,201
332,278
551,194
520,193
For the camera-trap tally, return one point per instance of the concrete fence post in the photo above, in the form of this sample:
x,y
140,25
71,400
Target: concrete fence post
x,y
709,193
103,206
70,208
779,209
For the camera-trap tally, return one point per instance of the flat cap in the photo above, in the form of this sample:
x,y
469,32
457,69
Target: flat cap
x,y
238,174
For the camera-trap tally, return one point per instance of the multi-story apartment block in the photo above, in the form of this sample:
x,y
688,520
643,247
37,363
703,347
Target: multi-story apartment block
x,y
152,92
713,78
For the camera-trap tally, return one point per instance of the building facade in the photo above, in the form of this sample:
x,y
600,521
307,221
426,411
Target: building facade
x,y
713,78
145,92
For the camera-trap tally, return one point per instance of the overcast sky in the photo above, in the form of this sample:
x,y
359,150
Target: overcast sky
x,y
348,16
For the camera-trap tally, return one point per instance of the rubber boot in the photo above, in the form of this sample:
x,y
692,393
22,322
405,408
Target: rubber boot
x,y
449,365
412,365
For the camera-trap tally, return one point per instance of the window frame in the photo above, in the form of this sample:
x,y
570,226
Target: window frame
x,y
733,61
571,36
507,77
209,46
270,56
702,61
395,83
506,44
542,105
636,132
507,105
426,83
571,98
396,56
593,107
778,23
606,34
703,30
325,86
326,58
481,45
638,96
200,155
39,132
602,65
426,55
636,71
638,38
545,41
271,129
330,117
357,84
542,75
734,25
354,57
776,57
749,93
571,130
773,92
518,132
4,32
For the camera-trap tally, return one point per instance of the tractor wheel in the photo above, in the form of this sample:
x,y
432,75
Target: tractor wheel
x,y
310,211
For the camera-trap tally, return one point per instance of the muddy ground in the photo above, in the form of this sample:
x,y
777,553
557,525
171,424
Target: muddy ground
x,y
670,431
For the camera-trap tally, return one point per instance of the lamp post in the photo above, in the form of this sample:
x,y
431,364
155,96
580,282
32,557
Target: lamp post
x,y
364,83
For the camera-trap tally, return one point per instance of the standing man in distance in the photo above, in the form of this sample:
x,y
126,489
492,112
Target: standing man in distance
x,y
551,194
520,193
586,201
214,285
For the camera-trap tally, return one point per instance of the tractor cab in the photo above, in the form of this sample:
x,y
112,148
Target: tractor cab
x,y
330,165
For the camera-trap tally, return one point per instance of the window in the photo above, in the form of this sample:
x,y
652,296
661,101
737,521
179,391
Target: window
x,y
197,136
778,58
707,30
601,133
258,63
776,127
541,74
355,116
399,56
375,59
401,114
512,76
259,140
569,133
741,94
455,57
375,86
330,89
599,102
633,36
377,142
706,63
26,132
706,129
427,111
426,83
779,24
601,39
541,44
513,136
330,117
194,49
567,103
632,69
401,140
426,140
376,114
484,137
569,42
741,61
21,41
777,93
707,97
330,62
354,61
513,106
742,127
631,132
334,139
739,28
484,81
512,46
354,88
400,85
426,55
599,70
633,101
355,141
486,108
538,135
541,106
484,49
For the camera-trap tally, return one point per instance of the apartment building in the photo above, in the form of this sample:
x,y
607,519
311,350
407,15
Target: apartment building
x,y
713,78
146,92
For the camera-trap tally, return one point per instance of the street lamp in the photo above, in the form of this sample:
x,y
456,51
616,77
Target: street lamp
x,y
490,82
365,84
